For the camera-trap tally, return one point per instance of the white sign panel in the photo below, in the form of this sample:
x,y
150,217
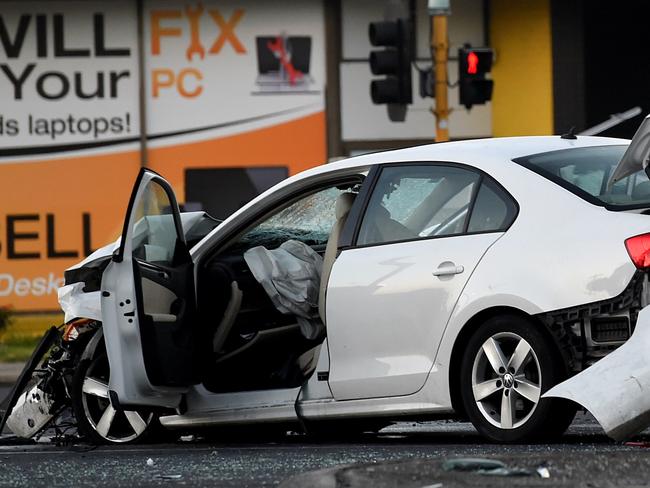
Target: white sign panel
x,y
228,66
68,75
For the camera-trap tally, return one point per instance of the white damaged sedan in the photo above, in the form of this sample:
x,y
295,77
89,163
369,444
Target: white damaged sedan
x,y
462,279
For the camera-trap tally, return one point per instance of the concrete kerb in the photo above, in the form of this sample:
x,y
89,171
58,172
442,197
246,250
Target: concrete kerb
x,y
583,468
322,478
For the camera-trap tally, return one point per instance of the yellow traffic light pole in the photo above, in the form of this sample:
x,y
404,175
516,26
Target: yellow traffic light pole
x,y
439,51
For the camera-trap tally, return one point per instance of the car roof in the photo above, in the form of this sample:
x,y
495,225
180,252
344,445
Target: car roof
x,y
472,151
488,155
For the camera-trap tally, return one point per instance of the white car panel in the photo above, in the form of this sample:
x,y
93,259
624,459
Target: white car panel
x,y
75,302
386,311
123,343
121,324
493,156
207,408
535,272
636,156
624,409
391,324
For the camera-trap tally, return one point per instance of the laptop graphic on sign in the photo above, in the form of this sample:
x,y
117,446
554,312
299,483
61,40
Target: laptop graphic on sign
x,y
283,65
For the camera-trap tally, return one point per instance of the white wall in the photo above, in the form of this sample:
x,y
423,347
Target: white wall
x,y
361,120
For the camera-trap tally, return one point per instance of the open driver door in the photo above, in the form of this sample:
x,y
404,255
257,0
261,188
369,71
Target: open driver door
x,y
148,302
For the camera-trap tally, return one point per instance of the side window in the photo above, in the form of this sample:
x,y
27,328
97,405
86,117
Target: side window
x,y
309,220
493,210
411,202
154,232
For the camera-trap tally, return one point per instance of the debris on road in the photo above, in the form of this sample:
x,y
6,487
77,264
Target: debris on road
x,y
150,462
543,472
31,412
488,467
168,476
471,464
637,444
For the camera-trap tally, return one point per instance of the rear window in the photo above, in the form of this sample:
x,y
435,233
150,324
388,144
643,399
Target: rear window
x,y
585,172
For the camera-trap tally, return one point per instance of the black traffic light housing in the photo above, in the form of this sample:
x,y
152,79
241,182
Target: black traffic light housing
x,y
394,62
473,65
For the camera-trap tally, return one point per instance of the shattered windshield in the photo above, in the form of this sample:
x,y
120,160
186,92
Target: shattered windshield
x,y
585,171
309,220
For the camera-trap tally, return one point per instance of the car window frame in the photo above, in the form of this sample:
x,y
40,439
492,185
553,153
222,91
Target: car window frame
x,y
487,180
350,233
280,208
181,243
273,207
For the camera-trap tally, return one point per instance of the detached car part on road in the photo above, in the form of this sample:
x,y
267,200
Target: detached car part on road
x,y
457,279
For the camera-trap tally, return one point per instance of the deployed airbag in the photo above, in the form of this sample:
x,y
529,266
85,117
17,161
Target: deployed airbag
x,y
290,275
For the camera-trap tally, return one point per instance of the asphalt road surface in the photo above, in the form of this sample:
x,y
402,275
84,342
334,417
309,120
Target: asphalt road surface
x,y
409,454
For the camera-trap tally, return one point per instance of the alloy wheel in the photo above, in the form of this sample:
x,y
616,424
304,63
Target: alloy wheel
x,y
106,420
506,380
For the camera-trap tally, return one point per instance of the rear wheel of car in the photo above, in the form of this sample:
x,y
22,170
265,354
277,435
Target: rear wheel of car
x,y
508,363
96,418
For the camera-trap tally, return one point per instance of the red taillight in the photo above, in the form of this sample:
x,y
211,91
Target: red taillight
x,y
638,247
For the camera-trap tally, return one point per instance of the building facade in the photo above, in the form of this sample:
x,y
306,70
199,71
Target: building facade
x,y
224,98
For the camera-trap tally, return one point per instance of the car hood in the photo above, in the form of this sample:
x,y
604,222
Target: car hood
x,y
79,297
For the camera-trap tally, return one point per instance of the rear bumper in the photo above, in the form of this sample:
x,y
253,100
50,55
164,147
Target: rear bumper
x,y
587,333
616,389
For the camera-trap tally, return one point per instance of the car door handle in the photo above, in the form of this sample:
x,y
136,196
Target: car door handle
x,y
448,269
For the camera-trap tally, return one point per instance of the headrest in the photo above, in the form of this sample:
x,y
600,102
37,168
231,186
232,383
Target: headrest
x,y
344,204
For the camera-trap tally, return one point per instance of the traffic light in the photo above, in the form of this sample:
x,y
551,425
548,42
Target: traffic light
x,y
394,62
473,65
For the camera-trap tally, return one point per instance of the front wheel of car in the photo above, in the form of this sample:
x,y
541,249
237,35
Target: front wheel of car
x,y
508,363
97,419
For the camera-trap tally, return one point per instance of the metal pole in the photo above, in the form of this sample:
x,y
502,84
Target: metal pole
x,y
142,92
440,49
613,121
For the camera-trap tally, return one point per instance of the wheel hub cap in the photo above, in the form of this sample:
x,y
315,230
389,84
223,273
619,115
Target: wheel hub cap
x,y
506,380
111,424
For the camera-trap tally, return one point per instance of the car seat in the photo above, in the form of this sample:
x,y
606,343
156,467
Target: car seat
x,y
342,209
228,319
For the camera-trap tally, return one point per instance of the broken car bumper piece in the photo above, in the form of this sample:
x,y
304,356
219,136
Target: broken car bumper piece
x,y
616,389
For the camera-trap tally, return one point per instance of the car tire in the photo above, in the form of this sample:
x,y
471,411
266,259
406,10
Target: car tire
x,y
508,364
90,403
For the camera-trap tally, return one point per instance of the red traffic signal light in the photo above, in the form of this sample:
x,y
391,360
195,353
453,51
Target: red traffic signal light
x,y
475,61
472,63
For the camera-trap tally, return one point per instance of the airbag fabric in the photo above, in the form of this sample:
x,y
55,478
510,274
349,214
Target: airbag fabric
x,y
290,275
